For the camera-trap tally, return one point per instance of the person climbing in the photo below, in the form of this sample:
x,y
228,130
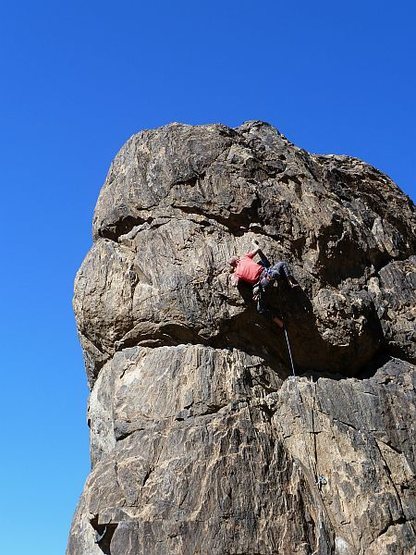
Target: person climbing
x,y
245,269
260,276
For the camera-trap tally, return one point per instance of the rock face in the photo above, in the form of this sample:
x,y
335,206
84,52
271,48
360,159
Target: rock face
x,y
200,442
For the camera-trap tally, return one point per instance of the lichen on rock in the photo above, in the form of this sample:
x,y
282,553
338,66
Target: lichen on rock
x,y
201,443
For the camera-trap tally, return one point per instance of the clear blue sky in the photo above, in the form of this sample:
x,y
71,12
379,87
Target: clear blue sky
x,y
77,79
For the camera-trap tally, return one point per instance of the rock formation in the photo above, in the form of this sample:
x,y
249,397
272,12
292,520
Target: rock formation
x,y
201,441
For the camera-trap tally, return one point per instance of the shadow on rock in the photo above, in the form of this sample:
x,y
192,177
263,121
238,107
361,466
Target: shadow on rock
x,y
259,335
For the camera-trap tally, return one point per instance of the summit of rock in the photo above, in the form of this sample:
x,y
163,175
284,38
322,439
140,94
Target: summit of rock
x,y
199,442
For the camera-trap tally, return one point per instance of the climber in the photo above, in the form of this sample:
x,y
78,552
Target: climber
x,y
259,276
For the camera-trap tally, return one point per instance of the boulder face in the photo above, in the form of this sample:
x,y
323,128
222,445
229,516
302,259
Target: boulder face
x,y
202,441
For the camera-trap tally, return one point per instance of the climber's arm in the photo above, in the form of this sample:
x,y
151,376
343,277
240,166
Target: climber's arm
x,y
253,253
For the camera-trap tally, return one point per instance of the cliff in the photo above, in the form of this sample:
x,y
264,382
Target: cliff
x,y
201,440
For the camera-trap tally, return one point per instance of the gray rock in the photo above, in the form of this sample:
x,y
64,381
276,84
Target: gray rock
x,y
200,443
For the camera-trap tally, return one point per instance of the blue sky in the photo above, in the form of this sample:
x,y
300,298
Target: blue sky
x,y
77,79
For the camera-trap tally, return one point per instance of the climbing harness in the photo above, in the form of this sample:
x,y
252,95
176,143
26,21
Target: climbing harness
x,y
320,480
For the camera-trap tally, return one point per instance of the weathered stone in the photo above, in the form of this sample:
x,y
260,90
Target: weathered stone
x,y
394,295
200,442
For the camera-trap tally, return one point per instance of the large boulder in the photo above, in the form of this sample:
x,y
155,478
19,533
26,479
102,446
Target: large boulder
x,y
202,441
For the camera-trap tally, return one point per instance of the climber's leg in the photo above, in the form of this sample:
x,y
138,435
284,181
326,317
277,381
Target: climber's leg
x,y
282,270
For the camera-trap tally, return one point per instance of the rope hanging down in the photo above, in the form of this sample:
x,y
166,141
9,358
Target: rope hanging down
x,y
289,350
319,479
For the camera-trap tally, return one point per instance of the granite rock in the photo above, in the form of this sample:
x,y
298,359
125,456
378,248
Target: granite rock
x,y
201,440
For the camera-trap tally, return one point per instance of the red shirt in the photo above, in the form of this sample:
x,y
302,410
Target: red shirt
x,y
247,270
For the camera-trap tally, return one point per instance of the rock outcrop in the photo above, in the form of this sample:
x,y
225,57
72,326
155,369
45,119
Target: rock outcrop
x,y
201,442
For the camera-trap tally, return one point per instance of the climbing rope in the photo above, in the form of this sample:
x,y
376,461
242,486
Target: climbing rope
x,y
289,350
313,458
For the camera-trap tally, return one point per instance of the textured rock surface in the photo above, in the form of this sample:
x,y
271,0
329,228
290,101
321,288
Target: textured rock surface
x,y
200,444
